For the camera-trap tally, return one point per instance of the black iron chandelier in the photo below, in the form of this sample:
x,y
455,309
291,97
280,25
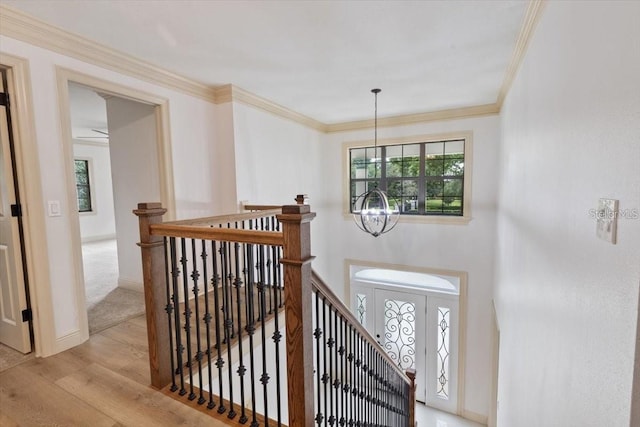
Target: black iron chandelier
x,y
372,211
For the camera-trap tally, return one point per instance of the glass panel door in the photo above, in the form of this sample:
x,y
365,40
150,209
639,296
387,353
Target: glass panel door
x,y
399,329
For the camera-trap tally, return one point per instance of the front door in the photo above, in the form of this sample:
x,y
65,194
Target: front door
x,y
14,332
398,326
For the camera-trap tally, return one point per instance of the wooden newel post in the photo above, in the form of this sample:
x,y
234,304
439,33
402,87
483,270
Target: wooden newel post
x,y
411,373
154,276
296,226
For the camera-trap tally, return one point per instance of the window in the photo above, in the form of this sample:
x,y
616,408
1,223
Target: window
x,y
425,178
83,186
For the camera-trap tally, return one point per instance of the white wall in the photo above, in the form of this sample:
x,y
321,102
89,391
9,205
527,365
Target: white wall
x,y
466,248
136,177
100,222
193,130
275,159
566,301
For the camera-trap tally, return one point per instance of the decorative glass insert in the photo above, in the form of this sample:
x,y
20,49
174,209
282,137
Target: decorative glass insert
x,y
83,187
400,332
442,388
361,309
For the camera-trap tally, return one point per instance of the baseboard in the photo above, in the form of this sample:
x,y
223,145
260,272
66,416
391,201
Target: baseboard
x,y
70,340
130,284
473,416
90,239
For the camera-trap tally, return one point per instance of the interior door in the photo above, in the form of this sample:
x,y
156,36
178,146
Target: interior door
x,y
399,328
14,332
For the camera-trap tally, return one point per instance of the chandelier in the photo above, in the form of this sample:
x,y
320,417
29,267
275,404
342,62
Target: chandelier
x,y
372,211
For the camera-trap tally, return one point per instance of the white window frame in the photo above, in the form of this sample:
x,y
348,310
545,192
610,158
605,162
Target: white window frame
x,y
424,219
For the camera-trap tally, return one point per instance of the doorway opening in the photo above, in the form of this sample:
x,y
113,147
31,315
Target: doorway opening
x,y
415,316
102,195
117,150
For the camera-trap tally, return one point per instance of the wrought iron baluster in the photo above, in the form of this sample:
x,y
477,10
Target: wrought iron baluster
x,y
187,313
169,308
241,368
228,322
175,274
343,364
215,278
264,378
277,336
195,276
329,349
250,328
317,334
207,322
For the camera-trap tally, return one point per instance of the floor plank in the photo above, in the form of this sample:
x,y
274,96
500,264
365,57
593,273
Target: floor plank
x,y
27,399
129,402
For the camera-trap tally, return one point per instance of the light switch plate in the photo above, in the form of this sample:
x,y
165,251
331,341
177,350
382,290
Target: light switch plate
x,y
54,208
607,220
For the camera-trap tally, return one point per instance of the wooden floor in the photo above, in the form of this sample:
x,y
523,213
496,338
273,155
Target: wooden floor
x,y
103,382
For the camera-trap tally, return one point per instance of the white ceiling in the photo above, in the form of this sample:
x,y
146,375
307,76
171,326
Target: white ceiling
x,y
319,58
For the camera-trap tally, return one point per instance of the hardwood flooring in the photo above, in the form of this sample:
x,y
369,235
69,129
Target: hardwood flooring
x,y
103,382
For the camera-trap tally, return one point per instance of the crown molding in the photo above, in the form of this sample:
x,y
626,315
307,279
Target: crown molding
x,y
229,93
409,119
531,18
20,26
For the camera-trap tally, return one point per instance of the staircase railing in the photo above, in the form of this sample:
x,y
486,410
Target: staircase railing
x,y
220,294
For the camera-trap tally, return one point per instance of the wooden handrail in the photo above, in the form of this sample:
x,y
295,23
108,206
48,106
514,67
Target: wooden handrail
x,y
272,238
230,218
321,287
261,207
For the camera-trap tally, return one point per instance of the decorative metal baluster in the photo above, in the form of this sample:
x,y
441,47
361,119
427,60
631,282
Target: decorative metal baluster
x,y
277,336
317,334
268,276
352,386
250,328
279,267
207,322
264,378
187,313
241,368
325,375
169,308
329,349
175,298
228,322
343,370
215,278
335,369
195,276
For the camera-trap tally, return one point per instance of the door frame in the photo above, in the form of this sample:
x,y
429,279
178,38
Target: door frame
x,y
165,168
30,186
462,277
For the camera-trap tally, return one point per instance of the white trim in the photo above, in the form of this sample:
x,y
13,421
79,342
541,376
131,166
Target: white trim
x,y
29,183
421,219
410,119
167,195
531,18
21,26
